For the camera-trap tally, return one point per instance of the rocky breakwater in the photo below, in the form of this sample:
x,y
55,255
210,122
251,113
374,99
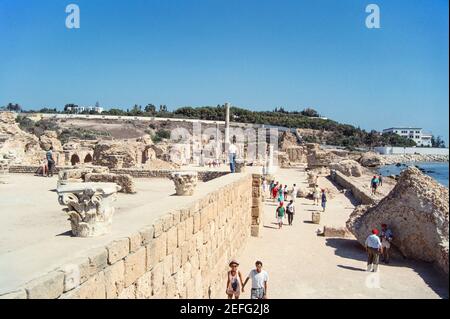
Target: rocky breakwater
x,y
417,211
406,158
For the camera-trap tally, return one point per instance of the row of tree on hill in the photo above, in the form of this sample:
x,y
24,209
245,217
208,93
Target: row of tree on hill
x,y
342,134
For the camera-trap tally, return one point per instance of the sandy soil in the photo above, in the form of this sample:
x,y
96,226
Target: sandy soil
x,y
303,265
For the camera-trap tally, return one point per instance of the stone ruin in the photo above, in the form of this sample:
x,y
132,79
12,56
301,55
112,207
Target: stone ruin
x,y
291,153
139,153
348,168
21,147
96,174
417,211
125,181
185,182
89,206
320,158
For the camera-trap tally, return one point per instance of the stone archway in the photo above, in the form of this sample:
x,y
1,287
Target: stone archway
x,y
75,159
88,158
144,158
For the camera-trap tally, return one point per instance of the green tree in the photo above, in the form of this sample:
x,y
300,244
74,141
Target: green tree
x,y
309,112
13,107
437,142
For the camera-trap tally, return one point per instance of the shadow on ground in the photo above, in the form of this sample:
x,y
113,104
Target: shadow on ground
x,y
352,249
347,193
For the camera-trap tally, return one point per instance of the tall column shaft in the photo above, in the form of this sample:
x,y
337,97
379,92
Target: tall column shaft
x,y
227,126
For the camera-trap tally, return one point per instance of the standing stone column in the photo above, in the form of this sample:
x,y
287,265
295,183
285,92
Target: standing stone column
x,y
227,126
185,182
89,206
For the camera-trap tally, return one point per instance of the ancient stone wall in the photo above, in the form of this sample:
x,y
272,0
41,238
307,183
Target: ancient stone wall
x,y
204,176
184,254
361,195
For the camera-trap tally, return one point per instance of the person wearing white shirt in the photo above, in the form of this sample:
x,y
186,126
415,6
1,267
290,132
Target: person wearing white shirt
x,y
373,247
294,192
232,150
259,282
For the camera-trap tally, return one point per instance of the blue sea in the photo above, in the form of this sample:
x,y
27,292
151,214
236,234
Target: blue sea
x,y
439,171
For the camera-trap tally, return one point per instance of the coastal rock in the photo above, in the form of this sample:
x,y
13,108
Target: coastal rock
x,y
417,211
348,168
407,158
371,159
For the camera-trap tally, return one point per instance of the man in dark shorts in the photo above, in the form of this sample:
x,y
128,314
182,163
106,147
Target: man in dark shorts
x,y
50,161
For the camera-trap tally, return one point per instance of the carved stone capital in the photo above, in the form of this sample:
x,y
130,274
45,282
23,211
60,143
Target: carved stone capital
x,y
89,206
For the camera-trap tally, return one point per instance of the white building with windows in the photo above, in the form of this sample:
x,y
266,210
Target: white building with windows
x,y
416,134
81,109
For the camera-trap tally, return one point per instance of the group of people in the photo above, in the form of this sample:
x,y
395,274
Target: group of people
x,y
235,284
376,181
378,243
280,193
48,164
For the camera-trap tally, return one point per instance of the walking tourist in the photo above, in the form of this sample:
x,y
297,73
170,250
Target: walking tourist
x,y
324,200
264,188
50,161
374,184
290,211
259,282
232,150
316,194
285,192
380,180
294,192
386,239
271,187
280,197
280,214
373,247
275,191
235,281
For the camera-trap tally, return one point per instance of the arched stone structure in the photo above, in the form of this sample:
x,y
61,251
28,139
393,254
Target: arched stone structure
x,y
74,159
88,158
83,155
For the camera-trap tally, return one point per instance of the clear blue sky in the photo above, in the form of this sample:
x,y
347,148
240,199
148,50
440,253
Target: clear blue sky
x,y
257,54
